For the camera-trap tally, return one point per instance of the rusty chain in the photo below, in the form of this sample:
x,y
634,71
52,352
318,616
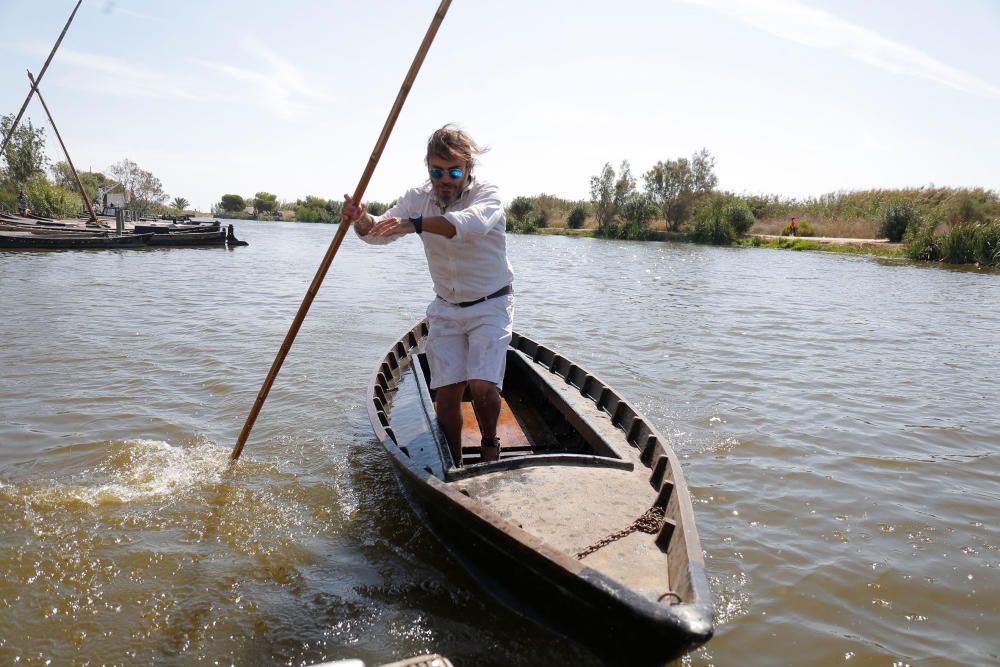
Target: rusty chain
x,y
649,522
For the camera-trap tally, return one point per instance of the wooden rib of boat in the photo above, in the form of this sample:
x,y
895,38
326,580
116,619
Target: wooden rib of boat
x,y
578,467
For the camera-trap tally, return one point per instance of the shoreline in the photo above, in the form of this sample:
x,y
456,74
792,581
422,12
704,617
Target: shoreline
x,y
862,246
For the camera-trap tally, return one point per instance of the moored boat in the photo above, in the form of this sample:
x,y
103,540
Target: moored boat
x,y
584,523
20,232
75,241
176,238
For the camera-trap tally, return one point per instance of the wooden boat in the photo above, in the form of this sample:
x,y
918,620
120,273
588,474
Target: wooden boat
x,y
20,223
74,234
555,527
74,241
194,237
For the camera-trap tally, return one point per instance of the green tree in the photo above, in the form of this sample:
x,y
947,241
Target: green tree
x,y
333,207
675,184
602,196
126,173
147,194
264,202
379,207
62,174
96,184
233,203
25,152
180,203
638,209
314,209
520,208
703,178
624,187
143,191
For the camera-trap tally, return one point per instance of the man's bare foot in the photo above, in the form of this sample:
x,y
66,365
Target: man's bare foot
x,y
490,449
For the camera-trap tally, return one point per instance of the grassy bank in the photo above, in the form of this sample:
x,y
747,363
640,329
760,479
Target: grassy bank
x,y
950,225
847,247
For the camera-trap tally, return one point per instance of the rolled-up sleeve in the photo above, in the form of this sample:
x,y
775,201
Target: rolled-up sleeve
x,y
483,214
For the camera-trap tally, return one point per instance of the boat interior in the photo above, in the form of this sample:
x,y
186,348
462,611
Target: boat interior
x,y
538,425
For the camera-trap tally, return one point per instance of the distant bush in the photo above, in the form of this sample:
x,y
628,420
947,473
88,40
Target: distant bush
x,y
969,243
895,218
714,230
768,206
801,229
8,201
972,243
921,242
50,200
577,216
966,206
719,219
738,214
520,209
313,209
517,226
626,230
378,207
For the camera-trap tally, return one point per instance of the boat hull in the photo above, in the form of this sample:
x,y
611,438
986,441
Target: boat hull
x,y
580,604
71,242
524,570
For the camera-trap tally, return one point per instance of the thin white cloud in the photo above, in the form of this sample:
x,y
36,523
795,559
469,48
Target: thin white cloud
x,y
106,75
793,21
278,86
113,8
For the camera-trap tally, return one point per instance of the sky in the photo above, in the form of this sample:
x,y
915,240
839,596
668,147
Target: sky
x,y
792,97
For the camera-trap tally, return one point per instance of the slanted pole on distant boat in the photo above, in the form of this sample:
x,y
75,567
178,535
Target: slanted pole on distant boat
x,y
69,161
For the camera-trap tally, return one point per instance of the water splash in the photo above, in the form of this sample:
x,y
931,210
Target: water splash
x,y
137,471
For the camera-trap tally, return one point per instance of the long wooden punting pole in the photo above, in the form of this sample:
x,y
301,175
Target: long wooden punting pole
x,y
359,192
40,75
69,160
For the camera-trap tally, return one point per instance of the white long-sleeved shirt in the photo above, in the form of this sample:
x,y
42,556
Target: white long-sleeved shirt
x,y
473,263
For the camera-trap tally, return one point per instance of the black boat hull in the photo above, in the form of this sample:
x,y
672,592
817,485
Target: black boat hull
x,y
524,570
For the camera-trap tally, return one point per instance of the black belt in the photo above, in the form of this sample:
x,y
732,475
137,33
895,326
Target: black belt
x,y
503,291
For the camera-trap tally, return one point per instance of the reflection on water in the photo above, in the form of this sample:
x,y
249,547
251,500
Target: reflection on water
x,y
835,416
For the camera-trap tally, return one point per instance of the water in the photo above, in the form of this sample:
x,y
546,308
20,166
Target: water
x,y
836,417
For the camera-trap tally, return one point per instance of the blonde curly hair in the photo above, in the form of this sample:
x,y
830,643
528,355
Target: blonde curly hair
x,y
452,143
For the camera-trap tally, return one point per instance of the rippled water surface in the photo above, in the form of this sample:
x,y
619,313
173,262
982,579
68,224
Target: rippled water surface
x,y
837,418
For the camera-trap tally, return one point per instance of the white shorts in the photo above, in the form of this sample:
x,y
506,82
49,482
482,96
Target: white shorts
x,y
469,343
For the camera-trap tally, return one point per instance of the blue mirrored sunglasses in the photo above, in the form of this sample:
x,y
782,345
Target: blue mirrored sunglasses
x,y
437,173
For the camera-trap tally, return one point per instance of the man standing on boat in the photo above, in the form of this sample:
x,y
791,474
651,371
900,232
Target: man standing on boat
x,y
23,207
460,221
